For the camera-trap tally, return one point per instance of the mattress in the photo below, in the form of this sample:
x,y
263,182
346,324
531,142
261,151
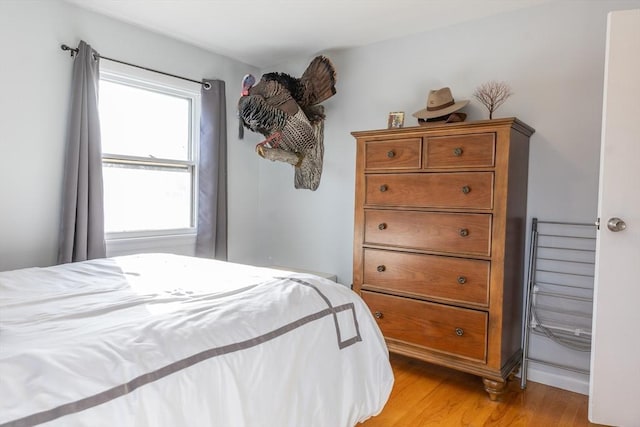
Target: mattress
x,y
168,340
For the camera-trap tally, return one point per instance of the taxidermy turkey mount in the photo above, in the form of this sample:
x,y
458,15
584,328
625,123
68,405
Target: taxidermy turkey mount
x,y
287,111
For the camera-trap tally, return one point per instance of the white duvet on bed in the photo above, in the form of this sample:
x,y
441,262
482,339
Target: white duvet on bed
x,y
167,340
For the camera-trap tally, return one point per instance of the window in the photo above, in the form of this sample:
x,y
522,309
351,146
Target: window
x,y
148,156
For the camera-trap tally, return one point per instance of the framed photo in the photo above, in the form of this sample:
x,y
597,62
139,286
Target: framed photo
x,y
396,119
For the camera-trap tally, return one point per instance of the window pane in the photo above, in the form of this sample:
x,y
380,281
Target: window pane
x,y
139,122
143,198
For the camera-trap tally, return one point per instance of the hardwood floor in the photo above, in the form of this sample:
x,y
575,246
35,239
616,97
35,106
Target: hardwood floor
x,y
429,395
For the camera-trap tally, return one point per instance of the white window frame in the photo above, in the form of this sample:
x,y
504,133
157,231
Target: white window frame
x,y
159,240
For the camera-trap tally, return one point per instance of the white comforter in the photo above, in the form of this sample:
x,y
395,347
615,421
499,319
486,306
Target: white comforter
x,y
165,340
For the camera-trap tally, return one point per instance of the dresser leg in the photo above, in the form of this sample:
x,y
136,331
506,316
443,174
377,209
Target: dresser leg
x,y
494,388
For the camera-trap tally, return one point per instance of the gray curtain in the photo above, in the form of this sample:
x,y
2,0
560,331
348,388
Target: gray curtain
x,y
82,222
211,241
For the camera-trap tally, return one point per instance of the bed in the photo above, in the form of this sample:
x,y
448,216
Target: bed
x,y
168,340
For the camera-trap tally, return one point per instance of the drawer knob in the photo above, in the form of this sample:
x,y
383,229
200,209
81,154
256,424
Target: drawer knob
x,y
381,268
383,188
382,226
457,151
378,315
391,154
463,232
462,280
466,189
459,332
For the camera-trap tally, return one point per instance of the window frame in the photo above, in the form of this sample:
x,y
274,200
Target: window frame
x,y
171,86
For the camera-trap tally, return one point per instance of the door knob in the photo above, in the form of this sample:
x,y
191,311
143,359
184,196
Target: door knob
x,y
616,224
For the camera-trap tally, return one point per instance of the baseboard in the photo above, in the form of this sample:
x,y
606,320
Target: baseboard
x,y
575,382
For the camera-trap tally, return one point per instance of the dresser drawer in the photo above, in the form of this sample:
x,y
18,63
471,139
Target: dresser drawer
x,y
428,276
393,154
431,231
458,151
471,190
458,331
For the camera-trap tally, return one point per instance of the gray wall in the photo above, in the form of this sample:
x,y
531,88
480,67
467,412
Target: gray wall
x,y
34,94
552,56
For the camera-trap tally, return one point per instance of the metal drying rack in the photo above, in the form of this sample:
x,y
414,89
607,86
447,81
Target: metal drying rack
x,y
559,295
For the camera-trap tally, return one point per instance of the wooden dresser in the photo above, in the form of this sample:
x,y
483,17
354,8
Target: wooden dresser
x,y
440,228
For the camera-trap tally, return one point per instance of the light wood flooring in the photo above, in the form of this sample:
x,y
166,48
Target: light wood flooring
x,y
429,395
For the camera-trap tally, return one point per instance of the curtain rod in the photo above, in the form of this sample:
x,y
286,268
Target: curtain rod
x,y
73,51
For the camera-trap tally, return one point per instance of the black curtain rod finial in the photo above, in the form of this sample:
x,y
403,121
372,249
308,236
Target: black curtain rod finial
x,y
71,50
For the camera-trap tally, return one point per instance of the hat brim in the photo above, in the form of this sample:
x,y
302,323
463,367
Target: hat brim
x,y
426,114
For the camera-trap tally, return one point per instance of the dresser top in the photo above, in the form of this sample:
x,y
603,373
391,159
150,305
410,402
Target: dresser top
x,y
439,127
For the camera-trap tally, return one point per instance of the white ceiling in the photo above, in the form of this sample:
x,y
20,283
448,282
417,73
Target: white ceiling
x,y
265,32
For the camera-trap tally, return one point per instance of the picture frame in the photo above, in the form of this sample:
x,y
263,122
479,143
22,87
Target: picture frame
x,y
396,119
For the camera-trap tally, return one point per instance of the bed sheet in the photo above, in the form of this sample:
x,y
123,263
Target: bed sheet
x,y
167,340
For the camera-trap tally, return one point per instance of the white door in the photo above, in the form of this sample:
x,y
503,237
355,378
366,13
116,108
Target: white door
x,y
614,389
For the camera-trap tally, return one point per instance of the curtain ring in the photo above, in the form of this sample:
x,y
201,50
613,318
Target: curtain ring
x,y
206,85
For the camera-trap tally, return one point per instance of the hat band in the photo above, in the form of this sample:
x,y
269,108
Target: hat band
x,y
440,107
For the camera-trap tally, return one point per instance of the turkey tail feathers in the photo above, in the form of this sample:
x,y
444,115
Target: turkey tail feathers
x,y
318,81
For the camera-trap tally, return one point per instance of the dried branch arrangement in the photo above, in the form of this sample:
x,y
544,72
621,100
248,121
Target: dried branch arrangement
x,y
492,95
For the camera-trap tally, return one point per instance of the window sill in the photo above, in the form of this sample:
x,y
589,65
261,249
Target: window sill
x,y
181,244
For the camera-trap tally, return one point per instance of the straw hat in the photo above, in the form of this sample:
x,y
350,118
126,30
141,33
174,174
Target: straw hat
x,y
439,103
